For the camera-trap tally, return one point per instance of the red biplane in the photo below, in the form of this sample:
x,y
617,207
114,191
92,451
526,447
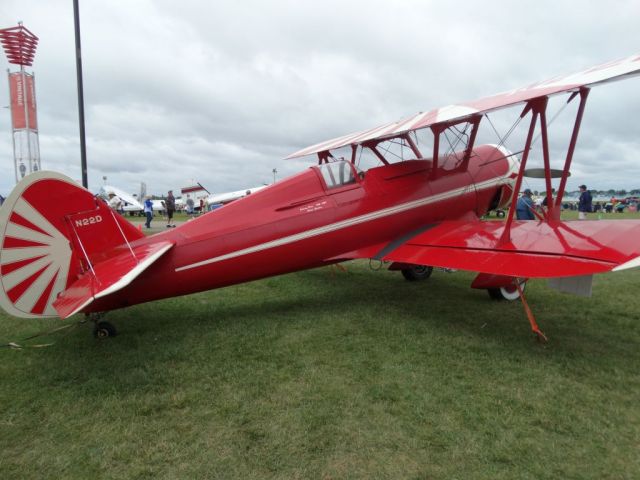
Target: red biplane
x,y
63,251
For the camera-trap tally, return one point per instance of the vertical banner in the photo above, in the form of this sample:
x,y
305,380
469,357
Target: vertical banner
x,y
19,95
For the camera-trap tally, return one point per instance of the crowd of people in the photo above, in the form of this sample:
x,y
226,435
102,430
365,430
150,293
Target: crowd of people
x,y
168,207
526,208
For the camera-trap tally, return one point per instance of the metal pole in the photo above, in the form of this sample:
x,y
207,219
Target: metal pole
x,y
25,102
83,144
13,129
37,162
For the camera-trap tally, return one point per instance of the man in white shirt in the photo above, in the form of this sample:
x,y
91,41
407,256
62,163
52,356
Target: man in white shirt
x,y
114,202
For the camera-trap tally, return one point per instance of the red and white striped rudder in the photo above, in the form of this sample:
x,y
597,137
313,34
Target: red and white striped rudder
x,y
43,245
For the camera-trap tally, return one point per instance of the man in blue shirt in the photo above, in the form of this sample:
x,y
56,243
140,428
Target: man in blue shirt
x,y
148,211
584,204
524,207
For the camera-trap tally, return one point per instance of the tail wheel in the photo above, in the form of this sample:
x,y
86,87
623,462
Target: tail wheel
x,y
417,272
104,330
509,293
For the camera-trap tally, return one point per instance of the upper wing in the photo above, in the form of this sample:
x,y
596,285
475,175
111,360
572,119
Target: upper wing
x,y
607,72
536,249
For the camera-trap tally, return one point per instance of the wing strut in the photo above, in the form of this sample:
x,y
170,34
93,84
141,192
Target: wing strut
x,y
535,106
412,145
475,121
538,108
437,130
547,163
584,93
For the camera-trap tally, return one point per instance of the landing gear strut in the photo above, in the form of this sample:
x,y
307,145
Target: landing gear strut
x,y
514,292
541,337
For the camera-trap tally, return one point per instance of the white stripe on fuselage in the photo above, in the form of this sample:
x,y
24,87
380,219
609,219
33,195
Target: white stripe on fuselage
x,y
385,212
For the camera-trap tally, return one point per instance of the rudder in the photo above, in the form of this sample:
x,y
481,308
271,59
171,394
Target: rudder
x,y
51,231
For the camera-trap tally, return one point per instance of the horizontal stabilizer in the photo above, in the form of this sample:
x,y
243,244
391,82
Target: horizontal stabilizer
x,y
108,277
535,250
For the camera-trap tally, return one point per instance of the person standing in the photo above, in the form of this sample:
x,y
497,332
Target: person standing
x,y
114,202
544,201
524,207
148,210
170,204
584,204
190,205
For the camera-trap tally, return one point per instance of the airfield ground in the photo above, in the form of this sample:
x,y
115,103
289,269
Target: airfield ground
x,y
333,374
159,223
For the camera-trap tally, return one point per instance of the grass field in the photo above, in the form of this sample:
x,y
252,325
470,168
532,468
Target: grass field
x,y
330,374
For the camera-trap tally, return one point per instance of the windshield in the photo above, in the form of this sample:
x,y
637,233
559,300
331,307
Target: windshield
x,y
337,174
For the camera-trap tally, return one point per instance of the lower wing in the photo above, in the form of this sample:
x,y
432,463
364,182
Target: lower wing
x,y
533,249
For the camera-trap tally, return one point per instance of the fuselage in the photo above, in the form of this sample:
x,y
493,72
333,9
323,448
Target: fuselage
x,y
320,216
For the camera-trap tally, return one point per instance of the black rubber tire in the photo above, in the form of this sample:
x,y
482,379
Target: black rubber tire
x,y
104,330
506,294
500,213
495,294
417,273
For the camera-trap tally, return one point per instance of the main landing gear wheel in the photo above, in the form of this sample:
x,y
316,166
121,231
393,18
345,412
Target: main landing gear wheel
x,y
509,293
104,330
417,273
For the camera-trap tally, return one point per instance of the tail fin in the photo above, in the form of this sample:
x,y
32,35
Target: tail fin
x,y
51,231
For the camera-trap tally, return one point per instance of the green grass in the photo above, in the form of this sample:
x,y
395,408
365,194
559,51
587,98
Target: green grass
x,y
573,215
330,374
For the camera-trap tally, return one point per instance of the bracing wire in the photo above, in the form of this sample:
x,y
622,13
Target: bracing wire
x,y
460,136
560,110
503,140
515,125
393,142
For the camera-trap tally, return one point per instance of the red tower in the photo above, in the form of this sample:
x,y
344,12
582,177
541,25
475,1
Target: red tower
x,y
20,47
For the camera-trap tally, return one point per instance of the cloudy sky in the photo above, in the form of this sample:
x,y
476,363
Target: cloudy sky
x,y
222,91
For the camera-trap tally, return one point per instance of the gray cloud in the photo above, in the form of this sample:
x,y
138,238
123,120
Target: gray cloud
x,y
220,92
